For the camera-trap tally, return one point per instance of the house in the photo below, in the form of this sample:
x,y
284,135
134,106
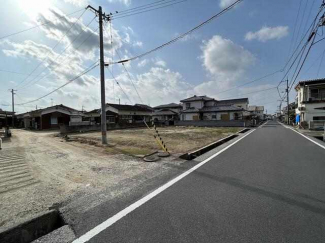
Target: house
x,y
310,101
92,116
256,112
116,113
205,108
292,112
50,117
5,118
167,113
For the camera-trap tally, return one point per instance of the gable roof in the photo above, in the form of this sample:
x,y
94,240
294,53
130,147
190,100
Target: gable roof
x,y
56,107
129,107
146,106
310,82
170,105
164,112
197,98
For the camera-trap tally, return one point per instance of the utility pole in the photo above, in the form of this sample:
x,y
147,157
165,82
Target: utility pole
x,y
102,16
13,106
287,90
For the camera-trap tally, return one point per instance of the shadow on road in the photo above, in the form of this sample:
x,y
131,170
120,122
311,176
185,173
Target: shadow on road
x,y
267,193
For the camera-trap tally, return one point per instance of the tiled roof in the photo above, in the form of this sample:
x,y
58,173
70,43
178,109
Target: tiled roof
x,y
171,105
146,106
164,113
129,107
311,81
52,107
197,98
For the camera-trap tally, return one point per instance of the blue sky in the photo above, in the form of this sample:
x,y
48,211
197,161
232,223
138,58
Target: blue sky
x,y
248,42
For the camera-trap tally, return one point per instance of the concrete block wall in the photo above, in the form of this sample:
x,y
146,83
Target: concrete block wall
x,y
212,123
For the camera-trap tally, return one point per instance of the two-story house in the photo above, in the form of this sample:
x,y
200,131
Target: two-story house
x,y
310,101
166,113
256,111
205,108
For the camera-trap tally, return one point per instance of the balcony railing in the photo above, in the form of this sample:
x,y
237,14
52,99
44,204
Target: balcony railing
x,y
316,97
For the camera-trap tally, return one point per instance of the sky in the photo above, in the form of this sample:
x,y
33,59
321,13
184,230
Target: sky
x,y
250,41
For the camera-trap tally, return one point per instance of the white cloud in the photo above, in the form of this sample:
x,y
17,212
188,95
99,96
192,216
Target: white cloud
x,y
165,86
226,63
127,38
138,43
268,33
78,36
223,58
161,63
226,3
79,3
143,63
125,2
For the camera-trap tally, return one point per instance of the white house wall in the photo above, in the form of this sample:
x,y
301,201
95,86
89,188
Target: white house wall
x,y
194,104
188,116
310,111
218,115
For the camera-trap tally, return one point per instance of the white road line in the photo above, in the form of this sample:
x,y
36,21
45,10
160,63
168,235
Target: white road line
x,y
107,223
263,124
320,145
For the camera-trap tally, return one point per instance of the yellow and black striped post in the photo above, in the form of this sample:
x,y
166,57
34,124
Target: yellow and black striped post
x,y
157,137
160,139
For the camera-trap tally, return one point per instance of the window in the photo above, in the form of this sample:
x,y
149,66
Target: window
x,y
111,119
319,118
214,116
126,117
314,93
54,121
188,105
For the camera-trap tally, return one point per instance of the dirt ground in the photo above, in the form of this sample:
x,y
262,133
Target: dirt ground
x,y
49,171
141,141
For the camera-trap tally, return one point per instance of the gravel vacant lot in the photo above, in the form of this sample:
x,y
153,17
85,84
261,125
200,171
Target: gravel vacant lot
x,y
141,141
39,170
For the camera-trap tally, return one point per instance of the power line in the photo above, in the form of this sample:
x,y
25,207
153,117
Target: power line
x,y
302,19
253,92
255,80
294,80
49,50
13,72
70,81
59,55
320,64
180,36
125,69
164,5
39,25
294,30
311,29
119,85
139,7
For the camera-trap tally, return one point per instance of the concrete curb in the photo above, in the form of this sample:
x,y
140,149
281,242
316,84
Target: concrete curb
x,y
33,228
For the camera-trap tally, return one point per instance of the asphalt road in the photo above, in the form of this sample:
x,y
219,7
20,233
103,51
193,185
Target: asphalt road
x,y
268,187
